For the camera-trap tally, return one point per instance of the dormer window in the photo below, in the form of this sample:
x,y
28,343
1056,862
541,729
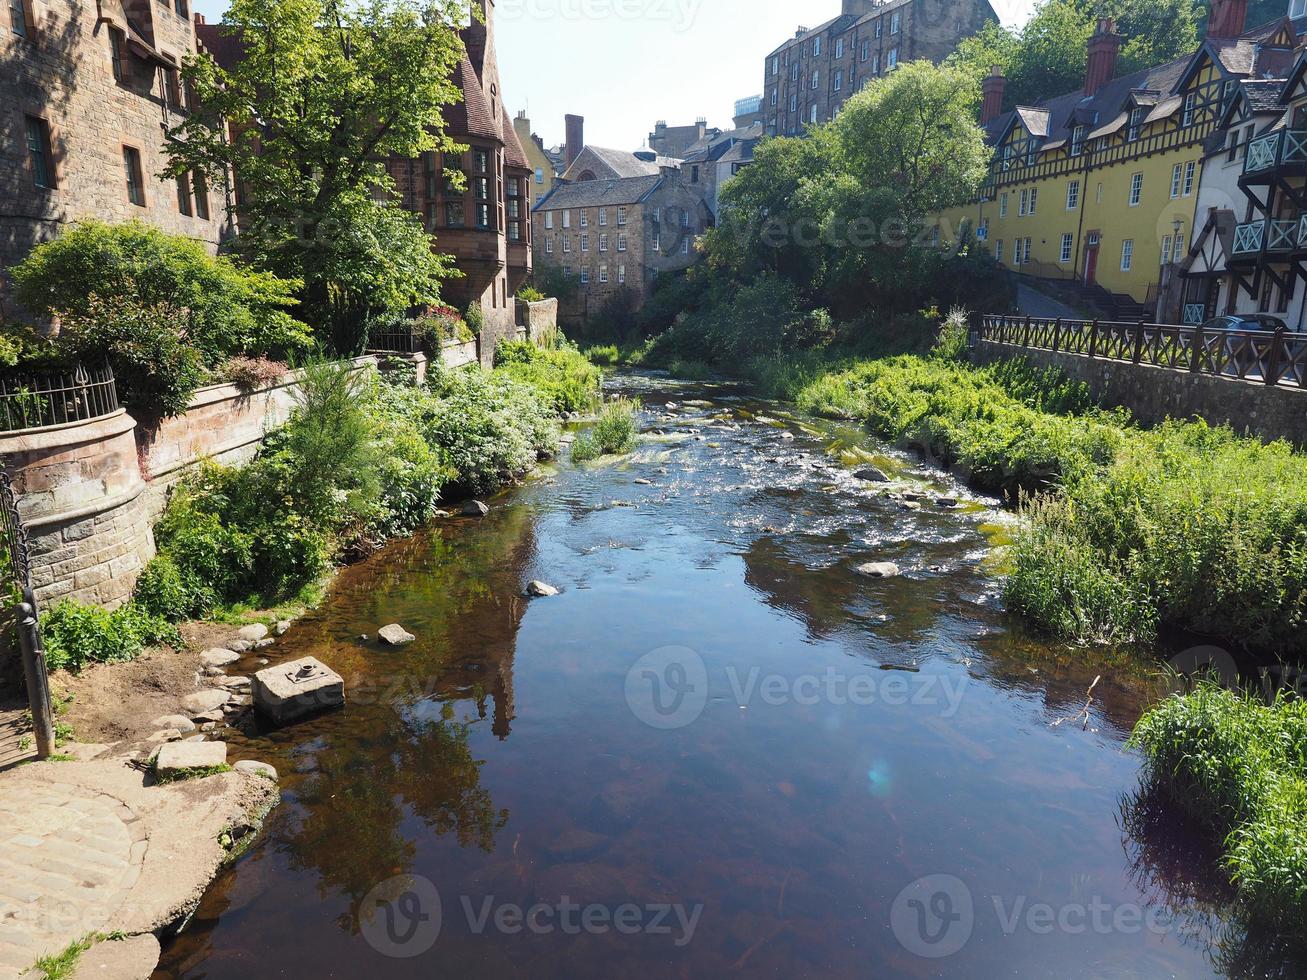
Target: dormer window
x,y
1007,156
1297,8
1077,140
1190,103
1136,124
1032,152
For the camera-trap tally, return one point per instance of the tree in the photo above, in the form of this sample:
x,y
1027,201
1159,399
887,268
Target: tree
x,y
322,93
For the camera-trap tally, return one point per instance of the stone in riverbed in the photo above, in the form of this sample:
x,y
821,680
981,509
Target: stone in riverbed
x,y
540,590
256,768
176,758
218,658
293,690
475,508
946,503
179,722
872,475
254,632
395,635
240,646
282,628
879,569
233,683
202,702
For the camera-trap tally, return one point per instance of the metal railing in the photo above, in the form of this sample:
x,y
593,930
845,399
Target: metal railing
x,y
39,400
1276,149
1248,237
16,595
396,340
1271,357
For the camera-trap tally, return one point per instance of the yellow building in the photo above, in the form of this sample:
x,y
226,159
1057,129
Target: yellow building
x,y
542,176
1099,187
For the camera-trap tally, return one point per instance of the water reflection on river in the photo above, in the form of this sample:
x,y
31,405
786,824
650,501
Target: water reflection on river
x,y
556,753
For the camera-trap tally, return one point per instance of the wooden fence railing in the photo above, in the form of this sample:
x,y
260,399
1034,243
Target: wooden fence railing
x,y
1271,357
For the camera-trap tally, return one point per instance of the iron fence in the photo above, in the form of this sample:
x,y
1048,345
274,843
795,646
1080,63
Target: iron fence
x,y
399,339
18,604
38,400
1276,357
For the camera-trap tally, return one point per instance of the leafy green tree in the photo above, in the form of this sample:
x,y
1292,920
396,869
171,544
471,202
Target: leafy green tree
x,y
323,92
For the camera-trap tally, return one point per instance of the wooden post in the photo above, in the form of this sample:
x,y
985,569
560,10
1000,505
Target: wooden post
x,y
1093,339
1139,341
38,683
1027,338
1057,334
1275,360
1196,357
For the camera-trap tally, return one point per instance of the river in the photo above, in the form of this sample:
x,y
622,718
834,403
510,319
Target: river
x,y
718,751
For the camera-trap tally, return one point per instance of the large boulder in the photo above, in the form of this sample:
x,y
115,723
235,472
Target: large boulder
x,y
475,508
201,703
395,635
879,569
294,690
540,590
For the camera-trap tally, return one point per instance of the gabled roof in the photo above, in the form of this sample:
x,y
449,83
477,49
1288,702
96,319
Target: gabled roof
x,y
615,164
471,116
514,154
599,193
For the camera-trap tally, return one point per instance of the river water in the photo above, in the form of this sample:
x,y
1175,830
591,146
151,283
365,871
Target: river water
x,y
719,751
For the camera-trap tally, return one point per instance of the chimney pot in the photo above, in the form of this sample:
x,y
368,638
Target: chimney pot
x,y
575,128
993,88
1227,18
1104,47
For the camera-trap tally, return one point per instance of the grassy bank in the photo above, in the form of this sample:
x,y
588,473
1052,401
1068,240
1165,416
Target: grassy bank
x,y
362,460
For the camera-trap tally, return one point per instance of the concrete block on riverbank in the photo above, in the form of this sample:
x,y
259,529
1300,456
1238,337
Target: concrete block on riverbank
x,y
294,690
178,759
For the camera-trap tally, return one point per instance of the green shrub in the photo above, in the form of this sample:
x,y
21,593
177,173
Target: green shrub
x,y
221,308
564,378
529,294
76,635
1239,768
157,372
612,434
605,356
475,317
953,339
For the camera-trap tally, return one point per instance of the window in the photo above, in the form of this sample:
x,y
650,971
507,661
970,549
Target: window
x,y
1189,170
1008,153
1068,240
184,195
1297,8
135,180
1178,254
892,59
1127,254
839,48
694,175
182,9
585,218
657,242
585,243
875,64
998,250
880,28
549,221
567,219
201,195
621,243
455,217
1136,189
1190,102
1233,145
1021,208
816,79
567,244
621,274
603,243
18,17
1077,140
813,115
549,246
794,101
585,276
117,44
1136,124
1034,199
1002,205
816,47
603,274
1032,152
894,23
1166,249
685,246
481,161
567,272
603,217
540,175
1176,173
839,80
1073,195
621,216
865,53
39,154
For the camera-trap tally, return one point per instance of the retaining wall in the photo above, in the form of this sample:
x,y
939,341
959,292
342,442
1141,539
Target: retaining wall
x,y
1154,394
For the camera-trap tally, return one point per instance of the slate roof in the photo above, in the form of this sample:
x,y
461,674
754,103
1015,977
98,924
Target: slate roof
x,y
1263,94
599,193
621,163
514,154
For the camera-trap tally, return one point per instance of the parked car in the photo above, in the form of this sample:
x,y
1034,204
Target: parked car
x,y
1241,359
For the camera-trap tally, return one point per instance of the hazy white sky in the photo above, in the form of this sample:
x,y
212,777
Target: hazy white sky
x,y
624,64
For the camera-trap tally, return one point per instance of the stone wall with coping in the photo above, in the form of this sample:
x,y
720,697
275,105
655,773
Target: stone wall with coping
x,y
1154,394
537,319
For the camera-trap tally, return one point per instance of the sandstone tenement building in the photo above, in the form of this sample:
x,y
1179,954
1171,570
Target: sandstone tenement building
x,y
85,89
614,237
809,77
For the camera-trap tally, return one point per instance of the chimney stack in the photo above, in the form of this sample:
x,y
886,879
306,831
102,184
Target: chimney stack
x,y
992,88
575,139
1227,18
1103,49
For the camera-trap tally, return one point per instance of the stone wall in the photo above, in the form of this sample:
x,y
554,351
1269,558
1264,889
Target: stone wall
x,y
538,319
1154,394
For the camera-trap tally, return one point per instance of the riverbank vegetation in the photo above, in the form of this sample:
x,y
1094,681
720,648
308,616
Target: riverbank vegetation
x,y
361,461
612,434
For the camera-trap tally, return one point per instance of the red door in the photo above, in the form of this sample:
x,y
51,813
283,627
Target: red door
x,y
1091,264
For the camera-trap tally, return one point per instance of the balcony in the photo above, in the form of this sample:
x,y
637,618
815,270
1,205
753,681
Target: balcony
x,y
1268,238
1282,153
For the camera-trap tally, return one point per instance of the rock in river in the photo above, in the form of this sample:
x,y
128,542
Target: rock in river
x,y
219,658
203,702
475,508
540,590
872,475
253,633
879,569
395,635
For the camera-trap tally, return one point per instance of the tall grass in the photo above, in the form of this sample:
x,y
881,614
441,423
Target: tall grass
x,y
1239,767
612,434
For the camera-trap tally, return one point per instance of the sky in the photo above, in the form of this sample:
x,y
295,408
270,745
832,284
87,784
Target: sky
x,y
625,64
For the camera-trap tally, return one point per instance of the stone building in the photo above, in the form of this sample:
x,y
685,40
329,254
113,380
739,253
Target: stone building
x,y
85,89
673,141
615,237
541,162
714,160
809,77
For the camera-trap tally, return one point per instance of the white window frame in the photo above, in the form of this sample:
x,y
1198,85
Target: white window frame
x,y
685,246
567,219
1136,189
1068,245
1127,254
1166,249
1136,124
603,275
1034,199
549,245
621,243
585,218
549,221
621,275
1190,170
603,217
1179,253
1002,205
1190,109
1021,206
603,243
1177,172
892,59
1077,140
585,275
1072,195
839,48
621,217
895,22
